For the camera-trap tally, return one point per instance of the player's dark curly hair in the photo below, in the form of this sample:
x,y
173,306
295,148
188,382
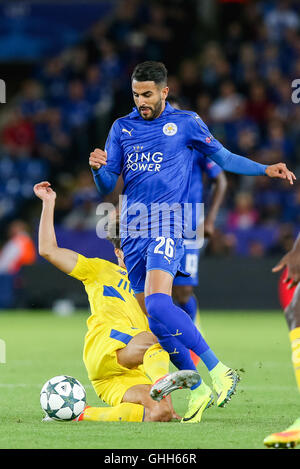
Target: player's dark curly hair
x,y
113,232
150,71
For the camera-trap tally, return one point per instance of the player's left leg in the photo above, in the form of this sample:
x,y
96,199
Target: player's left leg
x,y
290,437
161,309
183,287
183,296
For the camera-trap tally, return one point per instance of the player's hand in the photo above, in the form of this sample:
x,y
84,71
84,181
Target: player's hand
x,y
97,158
44,192
280,170
292,262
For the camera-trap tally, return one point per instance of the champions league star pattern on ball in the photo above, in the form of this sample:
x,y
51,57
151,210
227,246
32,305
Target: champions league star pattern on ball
x,y
63,398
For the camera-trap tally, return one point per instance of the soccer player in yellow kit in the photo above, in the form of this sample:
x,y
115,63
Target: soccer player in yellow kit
x,y
123,358
289,288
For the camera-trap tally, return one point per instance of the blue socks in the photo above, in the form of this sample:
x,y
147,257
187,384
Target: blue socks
x,y
179,354
180,326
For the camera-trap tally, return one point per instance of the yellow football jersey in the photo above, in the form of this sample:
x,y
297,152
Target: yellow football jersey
x,y
111,297
115,318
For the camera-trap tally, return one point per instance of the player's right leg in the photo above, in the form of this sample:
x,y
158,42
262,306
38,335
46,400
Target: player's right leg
x,y
290,437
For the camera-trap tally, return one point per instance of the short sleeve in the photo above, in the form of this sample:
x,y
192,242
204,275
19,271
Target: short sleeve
x,y
87,269
200,137
114,150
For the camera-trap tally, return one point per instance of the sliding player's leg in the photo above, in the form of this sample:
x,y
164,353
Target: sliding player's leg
x,y
138,361
144,350
136,406
290,301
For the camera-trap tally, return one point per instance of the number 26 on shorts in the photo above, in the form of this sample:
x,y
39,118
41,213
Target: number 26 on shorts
x,y
165,246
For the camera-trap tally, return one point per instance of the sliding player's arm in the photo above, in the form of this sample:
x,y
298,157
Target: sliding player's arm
x,y
292,262
63,259
202,140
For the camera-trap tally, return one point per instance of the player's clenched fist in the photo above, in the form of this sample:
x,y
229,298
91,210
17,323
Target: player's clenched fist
x,y
97,158
280,170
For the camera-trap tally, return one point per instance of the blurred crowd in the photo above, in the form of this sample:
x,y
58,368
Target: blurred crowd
x,y
236,71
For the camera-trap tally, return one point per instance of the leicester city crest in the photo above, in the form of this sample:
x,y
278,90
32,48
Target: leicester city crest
x,y
170,129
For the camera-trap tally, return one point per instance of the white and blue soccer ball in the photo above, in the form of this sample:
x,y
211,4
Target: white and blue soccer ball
x,y
63,398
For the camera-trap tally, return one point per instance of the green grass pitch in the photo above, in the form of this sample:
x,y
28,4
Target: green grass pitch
x,y
41,345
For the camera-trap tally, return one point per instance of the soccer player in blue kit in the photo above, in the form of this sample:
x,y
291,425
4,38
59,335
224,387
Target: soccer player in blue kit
x,y
153,147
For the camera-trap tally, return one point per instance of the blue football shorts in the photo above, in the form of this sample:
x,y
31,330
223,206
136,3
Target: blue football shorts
x,y
144,254
190,264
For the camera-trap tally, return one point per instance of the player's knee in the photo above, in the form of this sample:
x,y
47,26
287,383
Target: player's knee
x,y
133,354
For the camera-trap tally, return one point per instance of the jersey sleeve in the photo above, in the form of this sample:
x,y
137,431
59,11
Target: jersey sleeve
x,y
114,150
200,138
87,269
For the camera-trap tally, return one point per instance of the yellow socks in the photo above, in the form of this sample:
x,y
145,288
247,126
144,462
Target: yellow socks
x,y
124,412
295,342
156,362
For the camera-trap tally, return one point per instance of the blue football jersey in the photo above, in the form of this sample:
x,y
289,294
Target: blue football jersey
x,y
155,159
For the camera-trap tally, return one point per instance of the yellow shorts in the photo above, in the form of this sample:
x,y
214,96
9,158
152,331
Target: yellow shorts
x,y
110,379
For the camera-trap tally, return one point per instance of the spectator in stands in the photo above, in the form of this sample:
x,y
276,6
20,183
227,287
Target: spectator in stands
x,y
18,134
19,250
223,109
258,105
280,19
77,112
244,215
85,199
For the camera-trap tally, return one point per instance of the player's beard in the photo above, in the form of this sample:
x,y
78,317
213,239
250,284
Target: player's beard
x,y
155,112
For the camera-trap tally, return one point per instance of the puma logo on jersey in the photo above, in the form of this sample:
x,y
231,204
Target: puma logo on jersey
x,y
128,131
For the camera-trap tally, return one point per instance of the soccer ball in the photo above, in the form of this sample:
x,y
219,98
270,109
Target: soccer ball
x,y
63,398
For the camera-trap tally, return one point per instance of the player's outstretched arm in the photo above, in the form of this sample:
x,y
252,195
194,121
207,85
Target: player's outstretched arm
x,y
63,259
241,165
